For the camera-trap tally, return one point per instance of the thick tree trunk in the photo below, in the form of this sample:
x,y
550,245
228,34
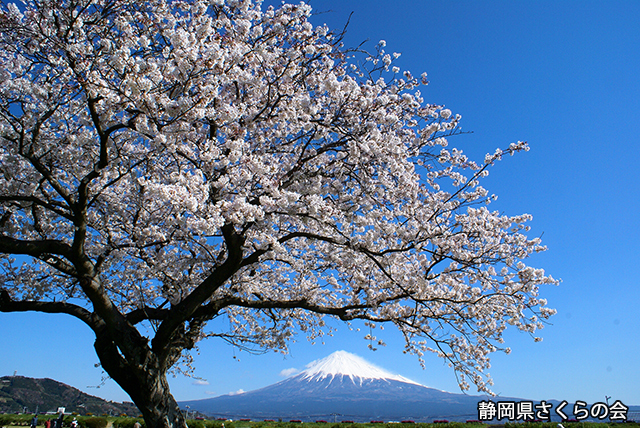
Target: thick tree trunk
x,y
145,382
158,407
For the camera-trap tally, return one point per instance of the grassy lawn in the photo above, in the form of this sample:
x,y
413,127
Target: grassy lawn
x,y
125,422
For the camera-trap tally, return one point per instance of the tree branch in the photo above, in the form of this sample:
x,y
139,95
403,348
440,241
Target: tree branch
x,y
342,312
53,206
142,314
184,310
34,248
255,256
7,304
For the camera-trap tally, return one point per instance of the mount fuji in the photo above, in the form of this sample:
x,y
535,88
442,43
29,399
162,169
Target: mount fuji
x,y
342,386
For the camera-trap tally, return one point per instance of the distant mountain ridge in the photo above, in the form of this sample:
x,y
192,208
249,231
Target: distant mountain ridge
x,y
342,386
19,392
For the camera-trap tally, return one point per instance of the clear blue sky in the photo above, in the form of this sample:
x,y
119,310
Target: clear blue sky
x,y
562,75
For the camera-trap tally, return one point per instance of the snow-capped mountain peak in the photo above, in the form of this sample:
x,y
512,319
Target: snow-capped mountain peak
x,y
345,364
342,384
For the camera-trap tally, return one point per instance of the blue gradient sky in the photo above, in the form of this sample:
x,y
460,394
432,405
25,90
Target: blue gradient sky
x,y
562,75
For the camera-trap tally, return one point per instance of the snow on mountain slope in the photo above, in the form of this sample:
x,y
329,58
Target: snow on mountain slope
x,y
345,364
346,385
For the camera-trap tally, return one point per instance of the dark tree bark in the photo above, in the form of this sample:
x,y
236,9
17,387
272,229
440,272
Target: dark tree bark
x,y
145,380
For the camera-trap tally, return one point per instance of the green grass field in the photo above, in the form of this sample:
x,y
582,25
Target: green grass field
x,y
21,421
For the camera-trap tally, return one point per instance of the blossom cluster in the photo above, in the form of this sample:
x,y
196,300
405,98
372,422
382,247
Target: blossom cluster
x,y
145,134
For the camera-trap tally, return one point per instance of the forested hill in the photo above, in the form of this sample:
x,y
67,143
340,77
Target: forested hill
x,y
18,392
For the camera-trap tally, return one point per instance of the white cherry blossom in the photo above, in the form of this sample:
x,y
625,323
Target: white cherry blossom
x,y
163,164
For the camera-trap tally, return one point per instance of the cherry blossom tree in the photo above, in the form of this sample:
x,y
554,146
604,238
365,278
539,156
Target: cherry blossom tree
x,y
167,163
